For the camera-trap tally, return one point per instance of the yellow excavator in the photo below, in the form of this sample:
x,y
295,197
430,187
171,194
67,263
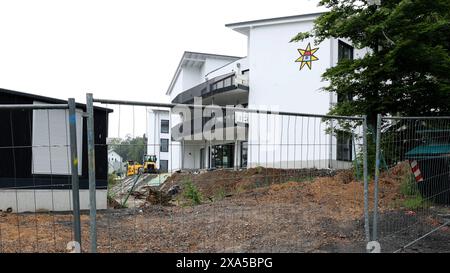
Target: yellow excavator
x,y
133,168
149,165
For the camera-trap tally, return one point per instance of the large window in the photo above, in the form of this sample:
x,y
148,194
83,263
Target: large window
x,y
344,146
164,145
165,126
223,156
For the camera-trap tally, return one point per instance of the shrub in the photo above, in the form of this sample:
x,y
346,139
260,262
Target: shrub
x,y
191,193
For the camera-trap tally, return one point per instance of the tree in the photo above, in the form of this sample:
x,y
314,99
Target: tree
x,y
407,68
130,148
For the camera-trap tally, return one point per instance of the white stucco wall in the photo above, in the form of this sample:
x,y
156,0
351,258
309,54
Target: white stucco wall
x,y
47,200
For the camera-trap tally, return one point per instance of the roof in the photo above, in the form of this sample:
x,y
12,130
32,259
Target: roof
x,y
190,57
243,27
429,150
48,99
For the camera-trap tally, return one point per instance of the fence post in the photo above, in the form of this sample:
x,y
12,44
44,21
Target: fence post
x,y
377,174
74,165
91,167
366,182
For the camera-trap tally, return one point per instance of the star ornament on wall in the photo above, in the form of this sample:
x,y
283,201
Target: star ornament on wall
x,y
307,56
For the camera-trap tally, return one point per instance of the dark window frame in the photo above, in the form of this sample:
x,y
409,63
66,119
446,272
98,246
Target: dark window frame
x,y
164,148
161,163
244,143
344,146
164,128
342,48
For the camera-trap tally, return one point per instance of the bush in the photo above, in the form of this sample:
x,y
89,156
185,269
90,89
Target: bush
x,y
112,179
191,193
413,198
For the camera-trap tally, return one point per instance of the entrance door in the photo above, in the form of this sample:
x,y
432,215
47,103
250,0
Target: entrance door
x,y
223,156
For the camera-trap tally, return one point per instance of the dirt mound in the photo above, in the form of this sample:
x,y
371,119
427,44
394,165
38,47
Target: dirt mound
x,y
156,197
212,183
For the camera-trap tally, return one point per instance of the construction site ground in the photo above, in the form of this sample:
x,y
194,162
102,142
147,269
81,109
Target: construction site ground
x,y
255,210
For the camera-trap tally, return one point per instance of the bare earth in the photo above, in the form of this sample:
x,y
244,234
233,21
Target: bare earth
x,y
324,214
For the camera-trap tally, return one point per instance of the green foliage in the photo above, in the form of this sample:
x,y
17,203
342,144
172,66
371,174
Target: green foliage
x,y
220,194
413,199
414,202
191,193
358,162
406,69
112,179
130,148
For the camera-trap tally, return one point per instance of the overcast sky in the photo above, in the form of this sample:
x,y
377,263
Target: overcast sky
x,y
118,49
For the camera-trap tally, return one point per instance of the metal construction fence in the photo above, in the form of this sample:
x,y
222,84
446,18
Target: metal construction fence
x,y
127,176
31,179
239,180
412,184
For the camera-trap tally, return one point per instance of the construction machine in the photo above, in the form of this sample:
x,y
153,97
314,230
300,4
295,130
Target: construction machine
x,y
134,167
149,164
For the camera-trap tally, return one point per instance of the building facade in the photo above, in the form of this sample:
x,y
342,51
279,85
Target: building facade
x,y
115,163
159,141
35,169
276,75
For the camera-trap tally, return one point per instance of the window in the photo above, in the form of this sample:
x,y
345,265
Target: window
x,y
345,52
222,156
163,166
165,126
164,145
244,153
344,146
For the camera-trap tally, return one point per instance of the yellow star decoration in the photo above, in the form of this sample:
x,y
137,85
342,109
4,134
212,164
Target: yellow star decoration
x,y
307,56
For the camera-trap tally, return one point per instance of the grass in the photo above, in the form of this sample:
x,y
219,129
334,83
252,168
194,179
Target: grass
x,y
220,194
413,199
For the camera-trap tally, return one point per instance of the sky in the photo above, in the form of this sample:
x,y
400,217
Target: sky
x,y
119,49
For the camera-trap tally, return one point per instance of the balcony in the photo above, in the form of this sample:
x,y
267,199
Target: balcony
x,y
229,89
232,124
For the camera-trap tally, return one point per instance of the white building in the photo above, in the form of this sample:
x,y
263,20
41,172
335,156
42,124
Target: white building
x,y
276,75
159,140
115,163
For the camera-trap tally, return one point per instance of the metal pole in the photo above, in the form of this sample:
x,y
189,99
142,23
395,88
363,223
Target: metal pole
x,y
91,164
377,174
74,165
366,182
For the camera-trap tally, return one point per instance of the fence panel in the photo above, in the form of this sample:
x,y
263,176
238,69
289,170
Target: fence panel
x,y
413,184
36,169
184,178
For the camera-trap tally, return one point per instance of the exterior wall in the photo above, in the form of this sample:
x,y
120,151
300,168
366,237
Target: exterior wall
x,y
277,83
231,67
192,76
192,153
47,200
212,64
115,162
154,135
17,170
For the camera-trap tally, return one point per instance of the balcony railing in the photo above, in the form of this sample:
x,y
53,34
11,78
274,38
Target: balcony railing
x,y
197,126
213,86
